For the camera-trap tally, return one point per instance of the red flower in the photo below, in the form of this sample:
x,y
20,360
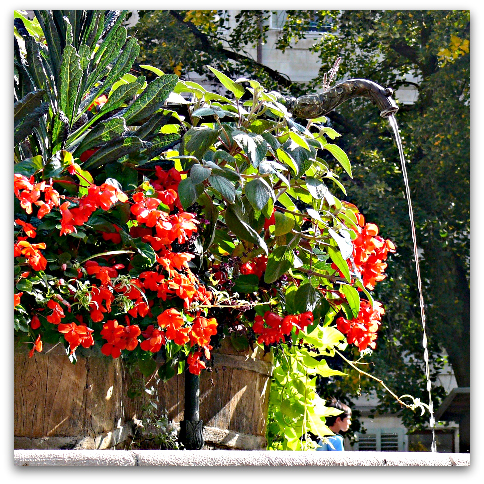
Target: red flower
x,y
32,253
201,331
37,347
362,330
195,366
57,312
76,335
155,339
35,322
16,299
29,229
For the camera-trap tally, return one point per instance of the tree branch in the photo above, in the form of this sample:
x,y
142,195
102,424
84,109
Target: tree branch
x,y
207,46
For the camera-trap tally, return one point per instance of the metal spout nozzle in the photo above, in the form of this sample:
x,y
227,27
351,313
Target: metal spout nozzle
x,y
315,105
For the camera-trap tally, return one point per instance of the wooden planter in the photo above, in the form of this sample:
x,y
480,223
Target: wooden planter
x,y
84,405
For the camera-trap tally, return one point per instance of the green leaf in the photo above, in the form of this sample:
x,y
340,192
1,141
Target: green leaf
x,y
280,260
152,98
341,156
27,105
168,370
199,173
316,188
157,71
225,187
285,158
344,242
300,141
253,145
70,76
258,192
306,298
340,262
353,298
28,166
146,252
147,366
200,139
105,131
242,229
199,113
284,224
187,192
123,63
232,86
114,150
246,283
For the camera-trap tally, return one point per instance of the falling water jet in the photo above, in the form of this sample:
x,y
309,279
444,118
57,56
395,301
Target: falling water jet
x,y
314,105
393,123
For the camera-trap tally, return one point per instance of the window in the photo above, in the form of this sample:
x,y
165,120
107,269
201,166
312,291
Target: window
x,y
382,440
278,18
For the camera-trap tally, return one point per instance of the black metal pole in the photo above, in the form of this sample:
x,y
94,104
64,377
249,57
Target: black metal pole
x,y
191,427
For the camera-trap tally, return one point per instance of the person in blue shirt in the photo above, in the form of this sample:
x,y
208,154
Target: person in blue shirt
x,y
337,423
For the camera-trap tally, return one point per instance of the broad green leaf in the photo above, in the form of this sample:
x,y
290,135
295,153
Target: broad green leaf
x,y
28,166
330,132
341,156
187,192
147,366
253,145
344,242
258,192
200,139
152,98
225,187
341,263
299,140
246,283
232,86
352,297
287,202
284,224
280,260
242,229
316,188
199,173
306,298
157,71
285,158
221,113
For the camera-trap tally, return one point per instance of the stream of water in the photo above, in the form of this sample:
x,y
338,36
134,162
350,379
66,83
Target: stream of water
x,y
393,123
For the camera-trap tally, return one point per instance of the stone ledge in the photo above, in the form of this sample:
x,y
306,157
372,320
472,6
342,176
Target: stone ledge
x,y
224,458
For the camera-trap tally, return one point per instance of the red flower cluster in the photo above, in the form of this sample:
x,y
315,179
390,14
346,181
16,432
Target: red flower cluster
x,y
369,253
271,327
119,337
362,331
77,335
255,266
32,253
170,278
28,193
104,196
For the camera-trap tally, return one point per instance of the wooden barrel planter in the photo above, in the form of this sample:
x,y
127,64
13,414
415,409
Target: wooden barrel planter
x,y
60,405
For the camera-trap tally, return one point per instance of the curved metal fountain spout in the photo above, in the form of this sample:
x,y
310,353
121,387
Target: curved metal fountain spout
x,y
314,105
